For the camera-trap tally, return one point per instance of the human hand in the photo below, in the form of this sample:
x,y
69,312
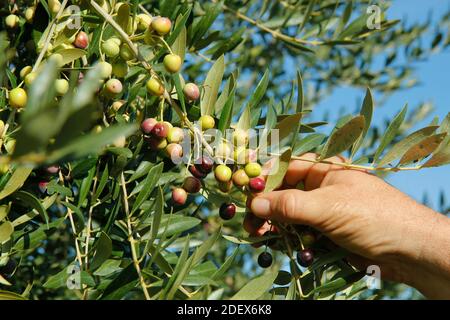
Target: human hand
x,y
362,213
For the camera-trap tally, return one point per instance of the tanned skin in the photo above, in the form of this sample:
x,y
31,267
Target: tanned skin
x,y
358,211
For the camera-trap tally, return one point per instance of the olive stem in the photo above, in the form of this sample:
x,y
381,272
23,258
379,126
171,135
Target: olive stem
x,y
72,224
165,44
274,33
352,166
144,10
74,231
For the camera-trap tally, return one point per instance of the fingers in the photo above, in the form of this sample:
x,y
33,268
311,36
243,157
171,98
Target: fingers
x,y
294,206
298,170
305,170
312,174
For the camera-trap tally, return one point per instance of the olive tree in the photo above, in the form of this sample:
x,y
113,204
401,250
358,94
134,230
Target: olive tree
x,y
131,135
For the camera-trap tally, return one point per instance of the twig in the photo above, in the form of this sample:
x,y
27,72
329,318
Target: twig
x,y
352,166
88,232
131,238
74,231
276,34
72,224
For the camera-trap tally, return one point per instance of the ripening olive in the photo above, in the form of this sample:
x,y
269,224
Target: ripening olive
x,y
17,98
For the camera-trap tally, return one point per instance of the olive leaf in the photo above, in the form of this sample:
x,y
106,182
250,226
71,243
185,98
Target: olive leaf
x,y
343,137
30,200
307,15
177,223
228,44
179,45
4,282
404,145
367,112
180,271
225,94
226,265
203,249
4,209
285,128
206,21
308,143
280,164
299,107
124,282
439,158
16,181
88,144
256,287
211,87
8,295
103,250
390,133
227,112
179,26
245,121
6,230
42,90
441,154
338,284
356,27
123,16
423,148
71,54
59,279
259,92
248,240
300,94
148,184
157,215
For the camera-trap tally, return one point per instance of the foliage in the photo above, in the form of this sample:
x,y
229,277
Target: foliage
x,y
107,210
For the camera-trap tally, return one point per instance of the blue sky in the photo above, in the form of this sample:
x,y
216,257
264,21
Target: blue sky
x,y
434,87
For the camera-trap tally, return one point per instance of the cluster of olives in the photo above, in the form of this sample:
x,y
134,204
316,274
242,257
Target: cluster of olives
x,y
18,95
116,56
162,135
233,164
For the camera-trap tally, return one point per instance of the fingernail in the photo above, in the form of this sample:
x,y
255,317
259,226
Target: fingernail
x,y
261,206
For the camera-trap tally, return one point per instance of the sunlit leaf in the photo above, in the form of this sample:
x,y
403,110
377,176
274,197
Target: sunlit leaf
x,y
343,137
401,147
211,87
367,112
16,181
390,133
278,171
423,148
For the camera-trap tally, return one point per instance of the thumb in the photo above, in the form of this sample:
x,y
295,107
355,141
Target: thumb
x,y
295,206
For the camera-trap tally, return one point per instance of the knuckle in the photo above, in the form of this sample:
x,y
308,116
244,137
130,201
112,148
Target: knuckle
x,y
340,206
287,204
